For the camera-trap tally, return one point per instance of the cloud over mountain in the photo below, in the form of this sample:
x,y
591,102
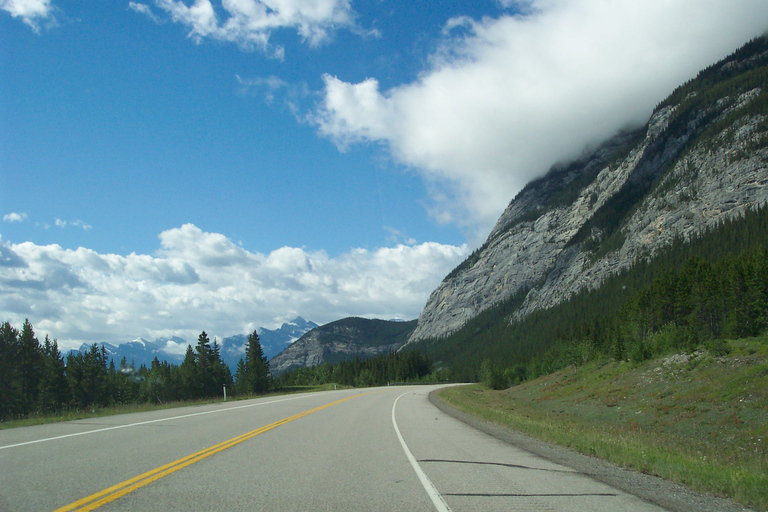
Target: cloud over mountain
x,y
505,98
203,281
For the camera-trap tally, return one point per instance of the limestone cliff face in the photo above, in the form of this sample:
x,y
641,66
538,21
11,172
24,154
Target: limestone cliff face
x,y
342,340
702,158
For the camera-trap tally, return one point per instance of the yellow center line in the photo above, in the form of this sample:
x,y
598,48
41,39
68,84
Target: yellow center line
x,y
109,494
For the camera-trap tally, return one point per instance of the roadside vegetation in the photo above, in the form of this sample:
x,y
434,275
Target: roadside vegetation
x,y
37,381
698,417
112,410
39,385
408,366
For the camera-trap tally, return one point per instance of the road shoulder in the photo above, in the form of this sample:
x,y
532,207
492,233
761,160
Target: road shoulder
x,y
666,494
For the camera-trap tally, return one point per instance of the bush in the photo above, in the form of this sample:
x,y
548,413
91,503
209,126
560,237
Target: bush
x,y
492,376
717,348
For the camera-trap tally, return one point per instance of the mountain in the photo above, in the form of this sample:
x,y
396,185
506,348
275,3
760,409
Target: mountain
x,y
272,341
701,159
343,340
141,352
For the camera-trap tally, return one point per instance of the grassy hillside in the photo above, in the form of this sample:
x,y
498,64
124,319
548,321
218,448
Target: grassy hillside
x,y
695,418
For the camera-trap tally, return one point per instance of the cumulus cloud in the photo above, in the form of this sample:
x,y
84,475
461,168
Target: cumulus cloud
x,y
504,99
31,12
250,23
14,217
203,281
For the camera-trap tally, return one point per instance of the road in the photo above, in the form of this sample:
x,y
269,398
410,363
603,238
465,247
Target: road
x,y
373,449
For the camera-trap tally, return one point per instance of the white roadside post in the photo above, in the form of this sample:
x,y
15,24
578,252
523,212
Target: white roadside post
x,y
225,392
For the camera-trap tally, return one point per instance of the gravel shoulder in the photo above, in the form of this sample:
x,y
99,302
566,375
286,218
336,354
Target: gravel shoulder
x,y
666,494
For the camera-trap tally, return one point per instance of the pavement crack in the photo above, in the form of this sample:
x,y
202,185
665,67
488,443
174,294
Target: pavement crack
x,y
528,495
503,464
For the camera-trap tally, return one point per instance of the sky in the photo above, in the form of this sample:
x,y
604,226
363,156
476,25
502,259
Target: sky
x,y
173,166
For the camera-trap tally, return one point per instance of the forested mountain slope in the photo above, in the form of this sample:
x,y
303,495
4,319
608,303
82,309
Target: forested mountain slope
x,y
701,159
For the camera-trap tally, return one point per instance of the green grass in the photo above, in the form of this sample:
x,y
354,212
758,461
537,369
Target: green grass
x,y
692,418
97,412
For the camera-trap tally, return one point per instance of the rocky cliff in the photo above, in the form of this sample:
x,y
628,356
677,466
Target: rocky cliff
x,y
701,158
343,340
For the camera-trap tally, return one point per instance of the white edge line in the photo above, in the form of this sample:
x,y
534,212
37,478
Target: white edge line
x,y
434,494
148,422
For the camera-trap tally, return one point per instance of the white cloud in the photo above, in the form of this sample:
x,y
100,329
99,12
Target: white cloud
x,y
31,12
506,98
77,223
15,217
204,281
145,10
173,348
250,23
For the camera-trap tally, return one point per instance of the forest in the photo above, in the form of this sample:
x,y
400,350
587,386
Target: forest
x,y
407,366
36,379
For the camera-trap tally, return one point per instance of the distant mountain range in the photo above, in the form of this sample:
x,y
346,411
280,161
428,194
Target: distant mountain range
x,y
141,351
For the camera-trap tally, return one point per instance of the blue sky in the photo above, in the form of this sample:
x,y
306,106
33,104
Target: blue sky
x,y
134,128
170,166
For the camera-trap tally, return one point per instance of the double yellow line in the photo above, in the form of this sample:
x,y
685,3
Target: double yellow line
x,y
110,494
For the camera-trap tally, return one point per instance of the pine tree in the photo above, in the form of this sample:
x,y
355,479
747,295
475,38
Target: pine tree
x,y
29,360
222,376
241,383
54,392
10,383
87,376
204,366
189,382
256,366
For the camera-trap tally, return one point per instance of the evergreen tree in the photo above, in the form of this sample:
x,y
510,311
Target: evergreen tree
x,y
222,376
9,375
256,366
204,358
87,376
29,361
126,383
54,391
189,382
241,382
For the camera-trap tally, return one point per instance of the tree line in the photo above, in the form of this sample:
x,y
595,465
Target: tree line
x,y
695,306
380,370
36,379
683,309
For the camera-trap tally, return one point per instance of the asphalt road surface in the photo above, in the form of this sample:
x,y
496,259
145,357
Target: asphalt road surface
x,y
373,449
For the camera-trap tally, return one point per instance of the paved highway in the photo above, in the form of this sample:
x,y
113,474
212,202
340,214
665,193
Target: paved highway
x,y
373,449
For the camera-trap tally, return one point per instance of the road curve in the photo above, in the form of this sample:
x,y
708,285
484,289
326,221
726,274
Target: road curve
x,y
373,449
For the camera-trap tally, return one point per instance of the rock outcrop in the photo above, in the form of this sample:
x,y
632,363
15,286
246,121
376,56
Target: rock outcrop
x,y
702,158
342,340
